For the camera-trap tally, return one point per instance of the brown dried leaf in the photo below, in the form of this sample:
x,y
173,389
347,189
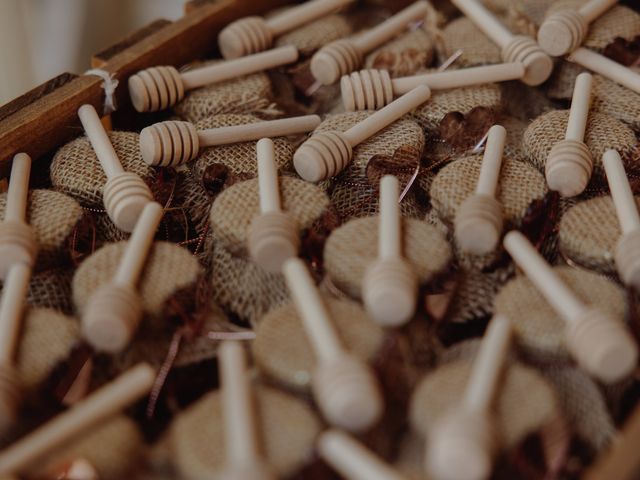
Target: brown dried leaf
x,y
402,164
624,51
462,131
216,178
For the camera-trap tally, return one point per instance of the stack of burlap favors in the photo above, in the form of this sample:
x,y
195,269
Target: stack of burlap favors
x,y
309,268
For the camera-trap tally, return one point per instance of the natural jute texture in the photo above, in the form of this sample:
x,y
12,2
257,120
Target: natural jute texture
x,y
248,94
477,49
239,158
314,35
234,209
47,338
519,185
283,352
407,55
287,429
353,247
168,269
242,287
53,217
540,329
603,132
192,200
618,101
51,289
524,404
76,171
114,448
463,100
589,232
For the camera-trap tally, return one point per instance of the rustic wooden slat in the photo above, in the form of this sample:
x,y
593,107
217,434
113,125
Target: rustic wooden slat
x,y
51,120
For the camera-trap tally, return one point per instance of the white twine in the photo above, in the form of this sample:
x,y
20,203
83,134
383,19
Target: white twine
x,y
109,86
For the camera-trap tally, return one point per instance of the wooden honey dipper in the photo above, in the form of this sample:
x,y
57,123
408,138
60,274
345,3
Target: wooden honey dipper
x,y
564,31
158,88
569,164
273,234
14,294
125,194
343,56
478,221
606,67
515,48
627,254
326,154
113,311
352,460
373,89
254,34
344,387
175,142
17,240
464,441
244,461
99,406
599,342
390,287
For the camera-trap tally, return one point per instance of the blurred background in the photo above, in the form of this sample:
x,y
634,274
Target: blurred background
x,y
40,39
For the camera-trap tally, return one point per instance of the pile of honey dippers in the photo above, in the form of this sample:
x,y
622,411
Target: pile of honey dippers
x,y
344,394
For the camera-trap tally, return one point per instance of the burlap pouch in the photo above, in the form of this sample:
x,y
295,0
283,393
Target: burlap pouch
x,y
406,55
168,269
242,287
540,330
76,171
532,11
519,186
589,232
53,217
397,150
560,84
192,201
603,132
283,353
235,207
51,289
525,402
114,448
248,94
618,101
47,339
463,100
477,49
312,36
353,247
238,158
287,427
617,22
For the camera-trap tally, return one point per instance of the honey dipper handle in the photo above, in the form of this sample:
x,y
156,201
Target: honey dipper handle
x,y
18,188
241,443
312,311
606,67
388,29
487,366
621,193
137,249
268,177
464,77
12,303
550,285
229,69
485,21
387,115
97,407
492,161
351,459
389,229
99,141
303,14
255,131
594,8
580,103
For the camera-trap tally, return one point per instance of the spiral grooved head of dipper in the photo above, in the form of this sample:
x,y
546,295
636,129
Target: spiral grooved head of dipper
x,y
538,66
323,156
562,32
169,143
335,60
366,90
243,37
155,88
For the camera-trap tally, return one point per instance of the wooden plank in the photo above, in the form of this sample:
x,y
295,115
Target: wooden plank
x,y
100,59
622,461
51,120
